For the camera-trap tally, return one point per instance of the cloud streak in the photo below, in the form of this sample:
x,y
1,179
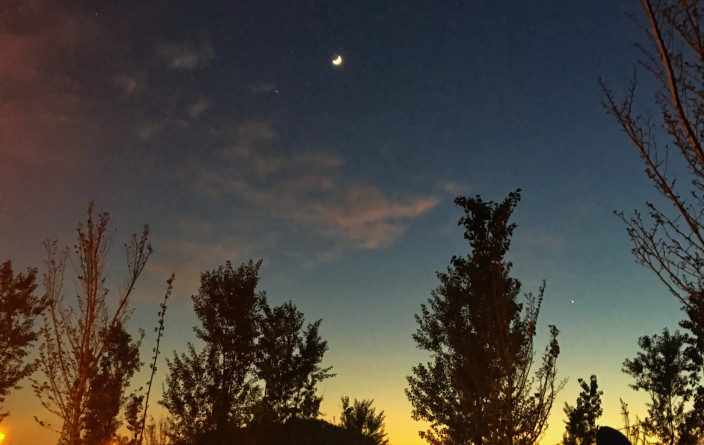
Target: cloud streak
x,y
305,188
187,56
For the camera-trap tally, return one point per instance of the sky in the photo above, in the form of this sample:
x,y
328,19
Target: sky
x,y
227,129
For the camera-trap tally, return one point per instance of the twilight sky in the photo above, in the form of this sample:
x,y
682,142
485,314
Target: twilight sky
x,y
225,127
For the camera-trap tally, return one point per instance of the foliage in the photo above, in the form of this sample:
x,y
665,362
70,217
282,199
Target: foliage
x,y
667,369
361,418
670,240
477,388
633,431
115,369
296,432
215,389
581,427
187,395
288,362
86,357
139,428
156,433
215,392
18,309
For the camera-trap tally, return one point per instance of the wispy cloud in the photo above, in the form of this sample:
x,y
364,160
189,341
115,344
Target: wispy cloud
x,y
305,187
453,188
197,108
541,240
128,84
149,130
369,218
263,87
188,55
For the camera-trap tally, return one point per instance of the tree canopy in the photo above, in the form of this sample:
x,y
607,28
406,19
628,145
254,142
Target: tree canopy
x,y
18,309
581,427
667,369
477,388
259,365
86,357
361,418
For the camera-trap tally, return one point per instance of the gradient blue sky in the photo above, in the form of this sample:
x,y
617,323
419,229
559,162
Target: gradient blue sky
x,y
224,126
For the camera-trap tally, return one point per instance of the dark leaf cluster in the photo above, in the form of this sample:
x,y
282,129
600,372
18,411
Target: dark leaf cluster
x,y
258,365
478,388
361,418
18,309
581,427
667,368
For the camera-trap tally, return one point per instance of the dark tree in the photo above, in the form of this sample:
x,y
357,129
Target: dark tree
x,y
670,239
214,391
581,427
138,426
82,336
18,310
667,369
477,388
361,418
108,385
288,362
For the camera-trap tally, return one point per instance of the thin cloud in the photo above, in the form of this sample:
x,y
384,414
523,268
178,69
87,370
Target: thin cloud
x,y
454,188
187,56
197,108
148,131
540,240
304,187
371,219
263,88
128,84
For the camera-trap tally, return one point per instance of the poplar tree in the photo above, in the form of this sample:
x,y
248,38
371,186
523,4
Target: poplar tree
x,y
477,387
86,357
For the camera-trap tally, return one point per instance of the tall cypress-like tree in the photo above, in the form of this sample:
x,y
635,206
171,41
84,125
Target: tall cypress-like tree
x,y
477,388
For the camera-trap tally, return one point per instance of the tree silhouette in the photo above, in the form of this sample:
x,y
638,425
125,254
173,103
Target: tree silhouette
x,y
84,344
667,370
115,369
360,417
214,391
18,309
581,427
212,394
477,388
670,239
139,426
288,362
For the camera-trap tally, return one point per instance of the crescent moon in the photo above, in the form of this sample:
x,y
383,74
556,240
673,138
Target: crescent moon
x,y
337,60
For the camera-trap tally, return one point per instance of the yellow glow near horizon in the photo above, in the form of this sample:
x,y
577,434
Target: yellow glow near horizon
x,y
2,436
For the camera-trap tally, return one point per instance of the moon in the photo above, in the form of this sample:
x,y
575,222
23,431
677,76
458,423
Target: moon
x,y
337,61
